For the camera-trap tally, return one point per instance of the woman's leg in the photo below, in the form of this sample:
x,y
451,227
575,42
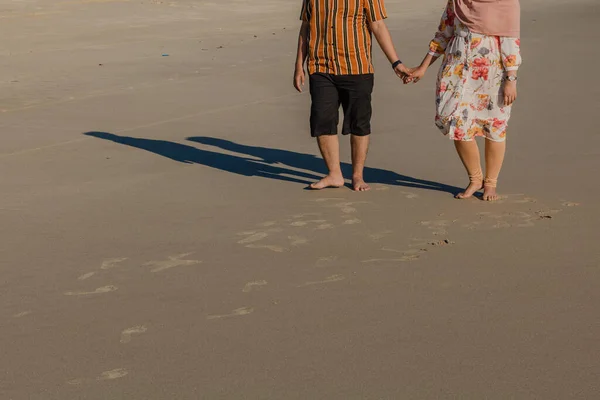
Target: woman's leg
x,y
468,151
494,157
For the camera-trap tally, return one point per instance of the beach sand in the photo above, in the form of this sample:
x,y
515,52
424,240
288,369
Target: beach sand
x,y
157,242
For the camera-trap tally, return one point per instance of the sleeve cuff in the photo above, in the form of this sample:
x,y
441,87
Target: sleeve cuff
x,y
433,53
379,19
511,69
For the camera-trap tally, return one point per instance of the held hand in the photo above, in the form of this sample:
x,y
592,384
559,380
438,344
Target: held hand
x,y
299,78
402,72
509,92
416,74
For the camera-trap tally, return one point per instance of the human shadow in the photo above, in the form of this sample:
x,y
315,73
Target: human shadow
x,y
191,155
284,165
314,164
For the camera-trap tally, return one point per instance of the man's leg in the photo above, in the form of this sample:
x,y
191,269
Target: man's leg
x,y
356,99
360,148
324,118
330,150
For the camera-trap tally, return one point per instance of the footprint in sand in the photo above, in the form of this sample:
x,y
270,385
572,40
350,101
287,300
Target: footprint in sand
x,y
569,204
497,220
473,225
22,314
304,223
276,249
112,374
486,214
255,237
405,252
299,223
405,258
444,242
332,278
251,285
306,215
297,240
322,200
268,224
136,330
86,276
247,233
325,261
342,204
171,262
346,207
106,264
379,235
235,313
419,242
352,221
501,225
438,227
410,195
520,219
518,198
100,290
435,224
547,214
527,220
324,226
112,263
525,200
105,376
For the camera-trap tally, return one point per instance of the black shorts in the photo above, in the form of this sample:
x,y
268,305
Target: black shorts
x,y
353,92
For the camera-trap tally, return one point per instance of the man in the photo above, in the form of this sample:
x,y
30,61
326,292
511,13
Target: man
x,y
335,37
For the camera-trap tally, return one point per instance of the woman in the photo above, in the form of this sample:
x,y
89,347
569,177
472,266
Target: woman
x,y
477,82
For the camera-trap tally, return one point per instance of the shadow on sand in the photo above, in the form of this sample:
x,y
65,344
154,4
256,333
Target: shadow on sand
x,y
265,162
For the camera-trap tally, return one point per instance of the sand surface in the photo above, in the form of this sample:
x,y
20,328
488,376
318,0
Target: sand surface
x,y
156,241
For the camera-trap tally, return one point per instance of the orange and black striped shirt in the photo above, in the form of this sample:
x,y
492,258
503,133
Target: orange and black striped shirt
x,y
339,36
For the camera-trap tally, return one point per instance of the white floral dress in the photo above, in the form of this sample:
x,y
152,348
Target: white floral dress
x,y
469,89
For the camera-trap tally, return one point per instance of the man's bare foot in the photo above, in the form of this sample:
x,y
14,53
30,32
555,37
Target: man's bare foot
x,y
489,193
359,185
473,188
330,181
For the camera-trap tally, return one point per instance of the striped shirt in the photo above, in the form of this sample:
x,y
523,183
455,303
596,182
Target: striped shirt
x,y
339,36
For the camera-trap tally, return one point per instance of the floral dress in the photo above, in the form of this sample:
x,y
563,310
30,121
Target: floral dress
x,y
469,95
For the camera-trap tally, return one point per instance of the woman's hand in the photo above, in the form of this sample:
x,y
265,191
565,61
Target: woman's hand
x,y
510,92
416,74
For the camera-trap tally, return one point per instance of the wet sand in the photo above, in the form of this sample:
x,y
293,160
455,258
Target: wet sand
x,y
157,242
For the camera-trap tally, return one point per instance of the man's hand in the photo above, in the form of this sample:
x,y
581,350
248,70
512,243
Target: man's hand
x,y
402,72
382,34
299,78
510,92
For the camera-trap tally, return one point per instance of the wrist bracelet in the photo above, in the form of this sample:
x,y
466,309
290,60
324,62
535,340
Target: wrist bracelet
x,y
395,64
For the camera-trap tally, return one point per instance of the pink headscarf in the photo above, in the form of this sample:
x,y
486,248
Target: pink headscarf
x,y
490,17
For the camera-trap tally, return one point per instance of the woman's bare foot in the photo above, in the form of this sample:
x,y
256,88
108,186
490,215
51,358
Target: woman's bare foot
x,y
473,188
359,185
489,193
330,181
